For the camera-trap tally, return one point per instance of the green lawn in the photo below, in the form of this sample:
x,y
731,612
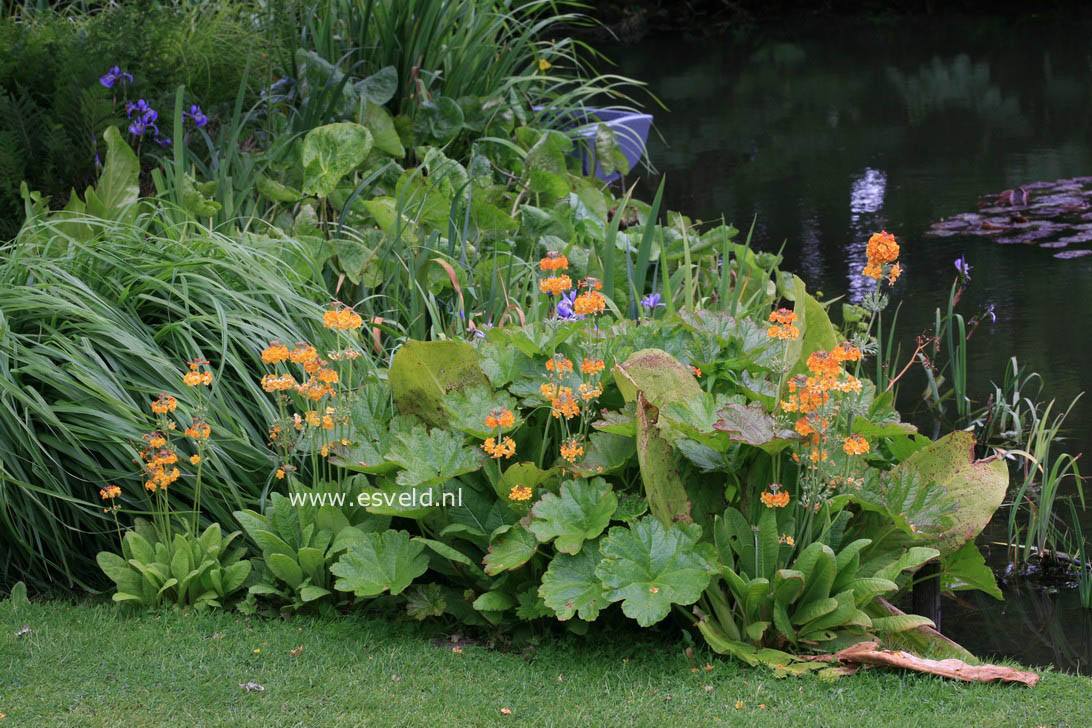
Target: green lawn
x,y
85,665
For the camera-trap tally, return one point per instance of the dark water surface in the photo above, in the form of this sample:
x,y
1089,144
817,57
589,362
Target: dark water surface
x,y
831,131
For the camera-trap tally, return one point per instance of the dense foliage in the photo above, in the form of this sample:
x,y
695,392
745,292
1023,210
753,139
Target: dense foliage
x,y
435,365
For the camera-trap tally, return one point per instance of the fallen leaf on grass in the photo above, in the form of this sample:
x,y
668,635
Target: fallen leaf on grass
x,y
506,711
24,631
868,653
251,687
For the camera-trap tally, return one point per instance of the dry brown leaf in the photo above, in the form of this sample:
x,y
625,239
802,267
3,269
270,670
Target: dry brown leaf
x,y
868,653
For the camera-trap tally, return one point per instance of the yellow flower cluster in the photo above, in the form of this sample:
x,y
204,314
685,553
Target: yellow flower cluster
x,y
589,392
519,493
882,252
275,383
506,448
571,449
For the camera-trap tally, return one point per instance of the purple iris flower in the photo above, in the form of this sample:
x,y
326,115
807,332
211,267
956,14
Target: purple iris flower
x,y
163,141
565,307
963,267
141,107
145,118
114,75
198,117
652,300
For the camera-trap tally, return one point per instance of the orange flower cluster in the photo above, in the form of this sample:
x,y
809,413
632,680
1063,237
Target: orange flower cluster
x,y
198,430
783,320
519,493
156,460
506,448
110,492
341,318
845,352
554,261
195,376
500,418
589,392
591,366
275,353
589,303
164,404
882,252
274,383
559,364
855,445
555,285
304,354
775,497
564,405
571,449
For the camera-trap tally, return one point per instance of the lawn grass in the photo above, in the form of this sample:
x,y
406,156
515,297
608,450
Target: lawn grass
x,y
91,665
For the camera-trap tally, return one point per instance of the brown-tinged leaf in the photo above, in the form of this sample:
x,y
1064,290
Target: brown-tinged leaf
x,y
664,490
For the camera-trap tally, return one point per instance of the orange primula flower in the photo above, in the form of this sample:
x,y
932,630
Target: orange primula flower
x,y
555,285
591,366
882,248
519,493
500,418
275,353
564,405
554,261
855,445
775,497
845,352
587,304
506,448
571,449
559,364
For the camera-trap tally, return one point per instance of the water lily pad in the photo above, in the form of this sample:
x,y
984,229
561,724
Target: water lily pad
x,y
1067,254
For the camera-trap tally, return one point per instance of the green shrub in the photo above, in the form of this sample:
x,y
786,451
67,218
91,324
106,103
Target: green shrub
x,y
52,106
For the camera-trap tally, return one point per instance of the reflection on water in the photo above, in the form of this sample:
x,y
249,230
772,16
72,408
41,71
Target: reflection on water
x,y
865,200
830,133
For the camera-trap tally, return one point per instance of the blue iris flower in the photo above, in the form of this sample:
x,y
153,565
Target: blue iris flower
x,y
653,300
198,117
963,267
565,307
114,75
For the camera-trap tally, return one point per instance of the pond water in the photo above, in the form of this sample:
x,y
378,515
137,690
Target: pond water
x,y
828,132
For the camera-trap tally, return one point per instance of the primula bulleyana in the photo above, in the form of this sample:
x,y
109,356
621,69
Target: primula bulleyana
x,y
519,493
499,418
506,448
775,497
855,445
